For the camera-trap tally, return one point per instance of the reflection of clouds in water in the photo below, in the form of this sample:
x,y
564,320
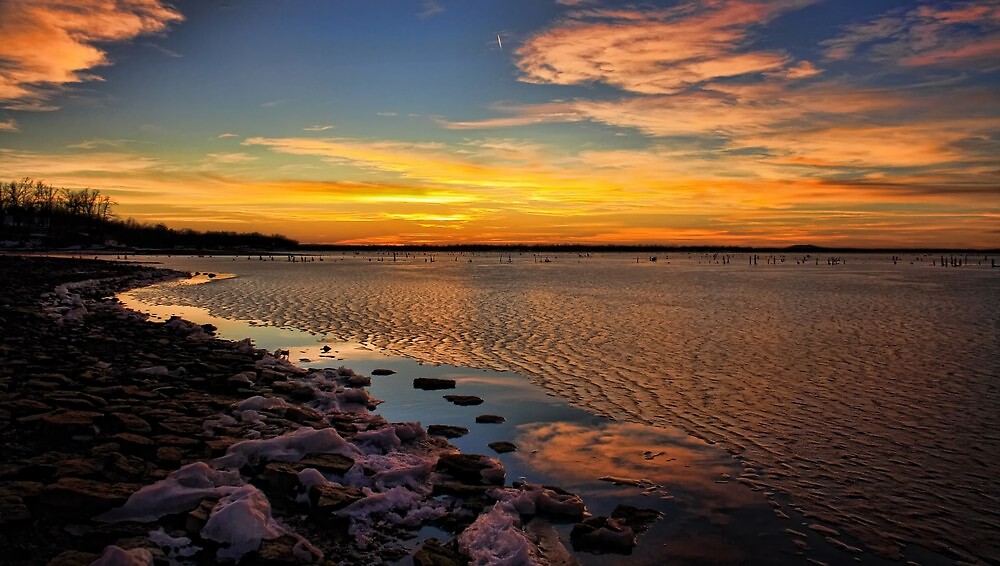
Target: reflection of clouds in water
x,y
685,467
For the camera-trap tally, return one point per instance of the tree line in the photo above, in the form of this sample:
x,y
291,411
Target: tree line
x,y
37,213
36,204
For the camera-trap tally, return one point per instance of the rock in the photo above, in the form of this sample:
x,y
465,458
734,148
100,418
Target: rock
x,y
602,535
74,403
447,431
327,463
197,517
636,518
302,394
326,499
550,547
127,422
65,425
218,447
471,468
433,383
181,426
85,498
490,419
79,467
130,467
169,456
242,379
173,440
282,550
383,371
13,510
358,380
503,447
135,444
461,490
555,502
21,407
464,400
433,553
281,478
74,558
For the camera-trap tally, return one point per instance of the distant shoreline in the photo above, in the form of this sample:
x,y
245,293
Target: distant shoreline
x,y
497,248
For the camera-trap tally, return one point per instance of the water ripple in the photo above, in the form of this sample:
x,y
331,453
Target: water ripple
x,y
869,392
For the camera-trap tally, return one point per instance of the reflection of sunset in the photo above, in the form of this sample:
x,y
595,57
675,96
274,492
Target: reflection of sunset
x,y
730,122
682,466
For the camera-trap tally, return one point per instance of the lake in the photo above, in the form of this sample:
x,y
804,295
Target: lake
x,y
859,392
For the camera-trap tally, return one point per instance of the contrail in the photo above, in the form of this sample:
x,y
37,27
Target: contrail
x,y
500,43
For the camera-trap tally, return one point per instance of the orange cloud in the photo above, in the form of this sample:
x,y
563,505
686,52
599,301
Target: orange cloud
x,y
653,52
47,44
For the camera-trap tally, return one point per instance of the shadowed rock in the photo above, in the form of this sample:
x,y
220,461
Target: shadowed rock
x,y
602,535
490,419
503,447
447,431
474,469
636,518
464,400
85,498
433,383
433,553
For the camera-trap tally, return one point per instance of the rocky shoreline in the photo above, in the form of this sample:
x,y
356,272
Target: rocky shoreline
x,y
126,440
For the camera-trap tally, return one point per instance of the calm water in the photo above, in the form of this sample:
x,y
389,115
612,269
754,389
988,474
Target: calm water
x,y
867,393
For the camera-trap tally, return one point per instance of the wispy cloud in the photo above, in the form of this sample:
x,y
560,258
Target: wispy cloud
x,y
163,50
233,158
430,8
49,44
227,135
9,125
271,103
520,115
45,165
953,34
387,114
318,128
95,143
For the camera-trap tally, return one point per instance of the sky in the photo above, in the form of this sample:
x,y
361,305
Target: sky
x,y
718,122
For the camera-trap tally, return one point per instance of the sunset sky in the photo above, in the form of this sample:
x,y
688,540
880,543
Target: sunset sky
x,y
837,122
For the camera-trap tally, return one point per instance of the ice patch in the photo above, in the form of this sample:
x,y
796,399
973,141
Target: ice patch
x,y
251,416
532,499
410,431
495,537
180,491
397,506
173,547
260,403
117,556
311,477
379,441
289,447
241,520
